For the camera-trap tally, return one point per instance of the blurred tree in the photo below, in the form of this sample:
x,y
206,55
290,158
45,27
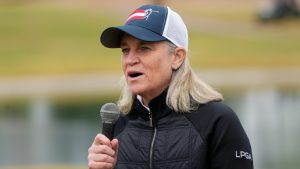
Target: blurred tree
x,y
285,8
279,9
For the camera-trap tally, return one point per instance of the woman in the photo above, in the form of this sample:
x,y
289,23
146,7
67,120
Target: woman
x,y
171,119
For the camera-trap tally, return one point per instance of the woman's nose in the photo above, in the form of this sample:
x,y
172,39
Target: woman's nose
x,y
131,58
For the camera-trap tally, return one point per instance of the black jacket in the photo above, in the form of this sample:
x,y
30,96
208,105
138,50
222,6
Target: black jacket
x,y
209,138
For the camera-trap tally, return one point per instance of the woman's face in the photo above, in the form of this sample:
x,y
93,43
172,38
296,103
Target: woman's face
x,y
147,66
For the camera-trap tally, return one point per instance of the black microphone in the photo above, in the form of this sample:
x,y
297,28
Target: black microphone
x,y
109,113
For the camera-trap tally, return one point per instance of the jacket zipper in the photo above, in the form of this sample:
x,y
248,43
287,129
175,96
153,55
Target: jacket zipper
x,y
152,148
153,140
150,119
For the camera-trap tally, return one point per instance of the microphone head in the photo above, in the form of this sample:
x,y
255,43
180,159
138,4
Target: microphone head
x,y
109,113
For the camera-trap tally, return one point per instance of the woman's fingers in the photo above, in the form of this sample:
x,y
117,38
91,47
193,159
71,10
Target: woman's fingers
x,y
103,153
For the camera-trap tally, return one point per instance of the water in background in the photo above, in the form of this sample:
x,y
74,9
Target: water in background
x,y
43,131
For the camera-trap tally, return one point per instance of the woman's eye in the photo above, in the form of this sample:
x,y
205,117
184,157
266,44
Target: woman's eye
x,y
125,50
145,48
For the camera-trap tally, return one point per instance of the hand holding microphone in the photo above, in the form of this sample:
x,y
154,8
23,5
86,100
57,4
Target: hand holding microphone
x,y
103,152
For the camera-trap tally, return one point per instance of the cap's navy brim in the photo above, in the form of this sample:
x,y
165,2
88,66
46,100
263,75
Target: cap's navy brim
x,y
111,37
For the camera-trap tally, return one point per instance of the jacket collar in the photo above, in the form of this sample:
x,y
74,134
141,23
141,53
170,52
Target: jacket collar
x,y
157,107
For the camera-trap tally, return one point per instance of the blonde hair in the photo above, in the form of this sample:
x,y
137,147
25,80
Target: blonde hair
x,y
185,91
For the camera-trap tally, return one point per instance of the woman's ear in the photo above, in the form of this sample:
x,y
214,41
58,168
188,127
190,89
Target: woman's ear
x,y
179,57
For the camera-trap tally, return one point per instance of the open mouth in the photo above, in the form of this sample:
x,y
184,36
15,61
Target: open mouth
x,y
134,74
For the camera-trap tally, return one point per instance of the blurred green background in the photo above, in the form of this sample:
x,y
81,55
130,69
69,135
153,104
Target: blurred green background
x,y
55,75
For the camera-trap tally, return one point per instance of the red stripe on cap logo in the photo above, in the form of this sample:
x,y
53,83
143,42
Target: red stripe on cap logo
x,y
140,14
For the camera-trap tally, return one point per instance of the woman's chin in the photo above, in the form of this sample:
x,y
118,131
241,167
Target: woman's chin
x,y
136,90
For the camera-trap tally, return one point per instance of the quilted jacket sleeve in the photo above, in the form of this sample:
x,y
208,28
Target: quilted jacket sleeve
x,y
227,143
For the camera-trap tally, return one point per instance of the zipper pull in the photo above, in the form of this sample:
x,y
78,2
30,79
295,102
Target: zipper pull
x,y
150,119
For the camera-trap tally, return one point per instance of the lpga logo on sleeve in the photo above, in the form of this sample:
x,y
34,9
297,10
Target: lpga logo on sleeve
x,y
141,14
243,154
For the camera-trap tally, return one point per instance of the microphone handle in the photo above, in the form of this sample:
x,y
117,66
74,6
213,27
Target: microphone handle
x,y
107,130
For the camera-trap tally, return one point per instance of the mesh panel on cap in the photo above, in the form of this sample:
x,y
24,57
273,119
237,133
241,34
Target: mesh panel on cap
x,y
175,30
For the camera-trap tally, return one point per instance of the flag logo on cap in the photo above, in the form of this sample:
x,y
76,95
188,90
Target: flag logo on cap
x,y
140,14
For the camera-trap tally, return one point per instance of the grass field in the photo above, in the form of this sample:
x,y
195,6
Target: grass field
x,y
61,37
